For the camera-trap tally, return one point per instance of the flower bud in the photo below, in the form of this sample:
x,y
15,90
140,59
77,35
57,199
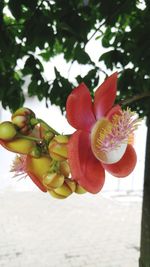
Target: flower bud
x,y
38,167
65,190
71,184
55,195
21,118
53,180
64,168
58,148
7,131
19,145
79,189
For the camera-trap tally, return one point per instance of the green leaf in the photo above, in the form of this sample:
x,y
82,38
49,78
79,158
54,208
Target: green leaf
x,y
107,38
107,58
91,79
60,89
81,56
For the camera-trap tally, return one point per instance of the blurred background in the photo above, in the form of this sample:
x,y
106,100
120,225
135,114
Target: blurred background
x,y
47,48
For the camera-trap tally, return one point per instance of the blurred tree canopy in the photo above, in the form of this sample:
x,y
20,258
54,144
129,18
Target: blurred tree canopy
x,y
37,30
63,27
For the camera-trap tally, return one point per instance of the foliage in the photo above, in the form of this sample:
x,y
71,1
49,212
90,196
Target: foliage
x,y
63,27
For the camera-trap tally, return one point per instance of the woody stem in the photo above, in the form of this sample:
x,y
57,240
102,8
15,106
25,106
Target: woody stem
x,y
134,98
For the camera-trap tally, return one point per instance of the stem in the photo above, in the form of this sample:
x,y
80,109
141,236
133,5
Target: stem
x,y
31,138
34,122
47,126
134,98
96,30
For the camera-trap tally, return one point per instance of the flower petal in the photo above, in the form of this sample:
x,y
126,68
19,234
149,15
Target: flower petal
x,y
37,182
80,109
105,96
85,168
125,165
37,168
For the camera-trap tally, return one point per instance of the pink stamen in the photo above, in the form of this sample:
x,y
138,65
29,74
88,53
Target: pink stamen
x,y
19,166
121,129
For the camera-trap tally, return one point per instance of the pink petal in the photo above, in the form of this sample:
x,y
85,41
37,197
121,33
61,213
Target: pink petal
x,y
85,168
125,165
105,96
80,109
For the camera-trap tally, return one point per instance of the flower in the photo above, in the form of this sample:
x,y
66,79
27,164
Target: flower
x,y
104,135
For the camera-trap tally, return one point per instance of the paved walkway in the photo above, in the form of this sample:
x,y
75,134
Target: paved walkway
x,y
81,231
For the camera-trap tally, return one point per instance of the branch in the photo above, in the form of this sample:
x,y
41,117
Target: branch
x,y
96,30
104,72
134,98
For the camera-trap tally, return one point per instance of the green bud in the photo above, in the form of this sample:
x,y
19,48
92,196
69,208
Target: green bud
x,y
53,180
64,168
79,189
19,145
7,131
65,190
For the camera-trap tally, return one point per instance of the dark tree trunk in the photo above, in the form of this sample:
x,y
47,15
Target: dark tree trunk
x,y
144,260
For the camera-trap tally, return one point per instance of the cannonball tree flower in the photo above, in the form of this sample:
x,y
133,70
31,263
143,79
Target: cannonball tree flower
x,y
103,139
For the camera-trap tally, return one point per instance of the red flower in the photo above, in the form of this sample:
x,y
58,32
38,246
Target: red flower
x,y
102,139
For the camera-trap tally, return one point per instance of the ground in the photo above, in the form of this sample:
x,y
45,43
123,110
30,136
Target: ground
x,y
81,231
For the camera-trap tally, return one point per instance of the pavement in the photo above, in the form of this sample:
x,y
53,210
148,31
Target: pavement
x,y
100,230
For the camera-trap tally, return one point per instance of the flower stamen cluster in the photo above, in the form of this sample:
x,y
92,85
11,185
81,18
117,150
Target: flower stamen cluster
x,y
119,131
19,166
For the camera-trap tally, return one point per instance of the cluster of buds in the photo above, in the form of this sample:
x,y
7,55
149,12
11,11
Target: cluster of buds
x,y
41,153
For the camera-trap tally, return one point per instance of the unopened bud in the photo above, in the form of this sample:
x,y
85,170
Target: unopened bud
x,y
53,180
58,148
21,118
65,190
71,184
39,167
55,195
7,131
19,145
79,189
64,168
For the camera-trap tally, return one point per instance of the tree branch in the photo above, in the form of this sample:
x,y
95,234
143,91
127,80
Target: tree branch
x,y
96,30
134,98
